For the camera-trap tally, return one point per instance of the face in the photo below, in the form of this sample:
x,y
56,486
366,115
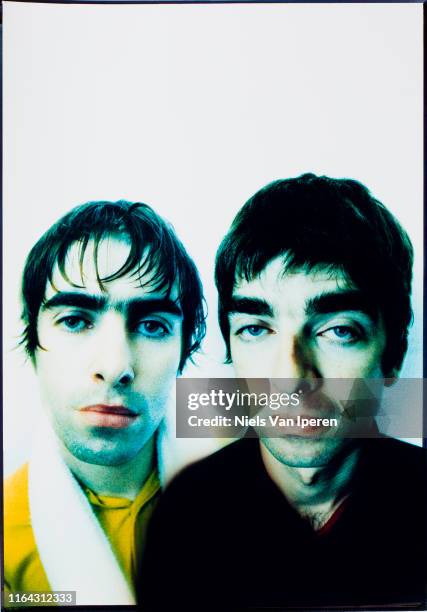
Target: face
x,y
310,326
109,357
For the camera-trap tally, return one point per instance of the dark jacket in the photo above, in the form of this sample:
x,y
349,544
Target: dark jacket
x,y
225,538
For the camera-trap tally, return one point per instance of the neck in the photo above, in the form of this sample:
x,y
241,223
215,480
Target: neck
x,y
315,492
124,480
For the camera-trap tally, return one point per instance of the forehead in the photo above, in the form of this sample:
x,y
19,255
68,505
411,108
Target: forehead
x,y
100,262
292,286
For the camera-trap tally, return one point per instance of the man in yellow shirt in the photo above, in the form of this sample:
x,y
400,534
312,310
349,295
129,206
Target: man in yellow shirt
x,y
112,309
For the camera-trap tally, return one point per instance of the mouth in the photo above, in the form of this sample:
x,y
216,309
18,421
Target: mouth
x,y
105,415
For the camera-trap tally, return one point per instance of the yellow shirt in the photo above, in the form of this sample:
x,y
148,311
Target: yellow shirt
x,y
124,522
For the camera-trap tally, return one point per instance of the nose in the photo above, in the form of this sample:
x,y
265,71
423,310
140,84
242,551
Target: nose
x,y
295,360
113,361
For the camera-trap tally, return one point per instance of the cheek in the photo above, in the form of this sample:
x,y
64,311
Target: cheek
x,y
46,369
58,363
352,363
62,359
158,365
52,382
249,361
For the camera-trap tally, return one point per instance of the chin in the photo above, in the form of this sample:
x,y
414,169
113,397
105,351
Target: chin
x,y
301,452
102,454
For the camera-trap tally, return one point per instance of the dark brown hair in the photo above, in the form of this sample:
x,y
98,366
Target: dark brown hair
x,y
317,220
155,254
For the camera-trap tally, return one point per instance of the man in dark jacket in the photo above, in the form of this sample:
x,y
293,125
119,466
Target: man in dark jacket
x,y
314,282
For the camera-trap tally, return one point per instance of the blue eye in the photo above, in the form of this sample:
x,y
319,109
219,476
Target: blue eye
x,y
343,334
252,331
153,329
75,323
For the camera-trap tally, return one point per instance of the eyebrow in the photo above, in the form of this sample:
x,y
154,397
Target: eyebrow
x,y
325,303
138,306
250,306
340,301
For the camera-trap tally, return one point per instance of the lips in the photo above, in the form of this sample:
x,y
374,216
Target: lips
x,y
105,415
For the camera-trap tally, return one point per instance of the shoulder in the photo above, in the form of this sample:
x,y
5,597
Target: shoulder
x,y
392,451
16,505
226,466
194,519
220,479
221,484
392,467
23,570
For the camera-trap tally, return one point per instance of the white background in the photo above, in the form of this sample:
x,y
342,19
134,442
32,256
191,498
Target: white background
x,y
192,108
